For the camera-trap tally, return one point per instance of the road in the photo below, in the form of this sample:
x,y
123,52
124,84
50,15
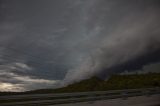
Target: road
x,y
153,100
130,97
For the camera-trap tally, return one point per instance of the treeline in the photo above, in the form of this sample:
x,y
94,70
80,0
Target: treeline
x,y
115,82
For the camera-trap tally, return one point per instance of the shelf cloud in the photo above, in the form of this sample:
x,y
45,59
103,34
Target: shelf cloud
x,y
54,43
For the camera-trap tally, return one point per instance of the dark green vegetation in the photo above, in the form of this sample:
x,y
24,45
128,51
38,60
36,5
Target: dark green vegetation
x,y
116,82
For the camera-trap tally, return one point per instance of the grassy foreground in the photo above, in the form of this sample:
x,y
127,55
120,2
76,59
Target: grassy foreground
x,y
115,82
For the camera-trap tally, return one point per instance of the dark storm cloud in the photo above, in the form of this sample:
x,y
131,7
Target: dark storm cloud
x,y
126,31
151,68
71,40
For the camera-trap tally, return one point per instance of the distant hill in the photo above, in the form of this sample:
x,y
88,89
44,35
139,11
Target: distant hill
x,y
115,82
85,85
82,86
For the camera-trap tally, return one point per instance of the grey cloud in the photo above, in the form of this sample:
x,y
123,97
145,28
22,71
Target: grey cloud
x,y
74,39
133,37
11,80
151,68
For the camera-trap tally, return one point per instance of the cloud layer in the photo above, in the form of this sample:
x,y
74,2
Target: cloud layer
x,y
46,42
13,78
135,35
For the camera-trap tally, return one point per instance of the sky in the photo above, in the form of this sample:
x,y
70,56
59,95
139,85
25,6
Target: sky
x,y
53,43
